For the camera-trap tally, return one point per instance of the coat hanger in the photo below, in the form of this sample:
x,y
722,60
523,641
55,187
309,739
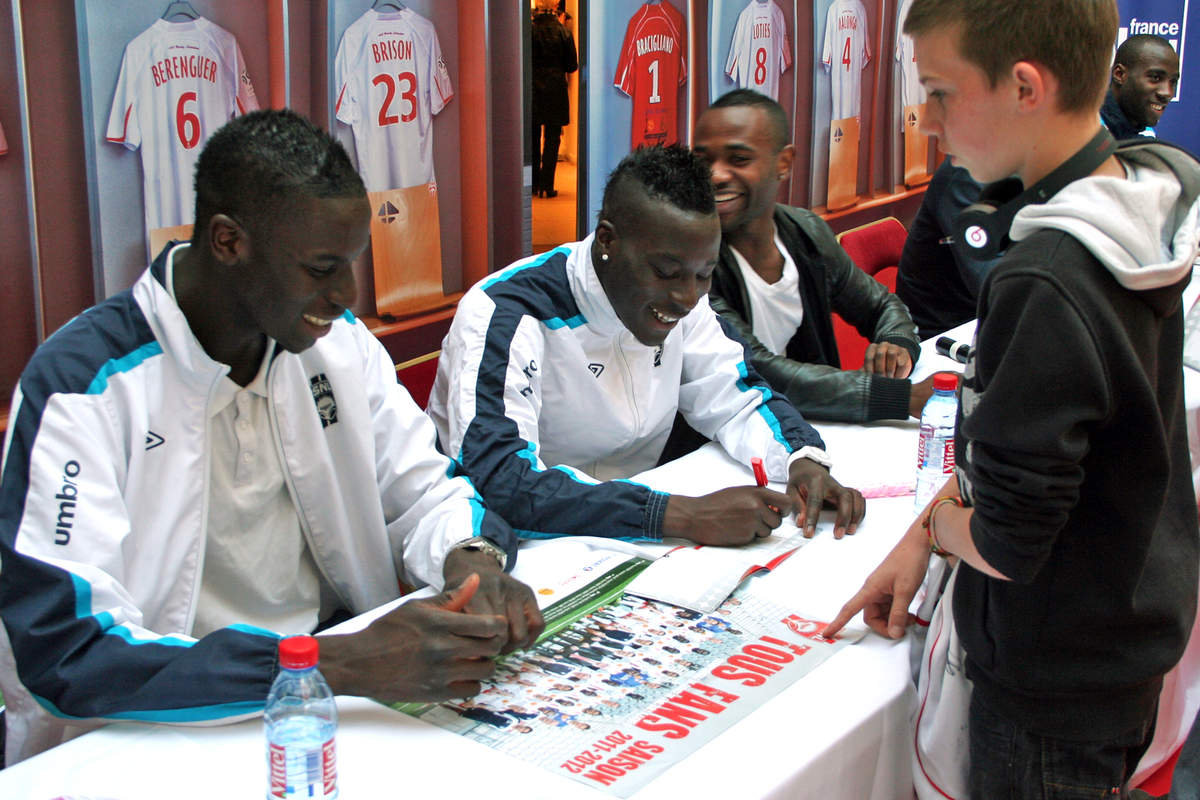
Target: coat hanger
x,y
180,8
379,5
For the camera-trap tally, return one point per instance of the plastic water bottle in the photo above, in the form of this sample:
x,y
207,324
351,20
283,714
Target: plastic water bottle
x,y
301,720
935,449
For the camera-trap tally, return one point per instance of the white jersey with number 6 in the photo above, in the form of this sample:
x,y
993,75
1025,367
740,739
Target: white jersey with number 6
x,y
179,82
390,80
759,52
847,50
912,93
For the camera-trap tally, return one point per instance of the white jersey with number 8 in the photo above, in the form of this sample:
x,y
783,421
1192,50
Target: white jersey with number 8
x,y
391,80
179,82
759,52
847,50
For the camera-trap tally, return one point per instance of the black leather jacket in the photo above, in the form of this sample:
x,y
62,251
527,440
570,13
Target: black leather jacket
x,y
810,375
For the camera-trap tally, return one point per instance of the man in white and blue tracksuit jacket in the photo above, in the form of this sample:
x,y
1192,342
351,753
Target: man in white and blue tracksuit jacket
x,y
105,498
561,376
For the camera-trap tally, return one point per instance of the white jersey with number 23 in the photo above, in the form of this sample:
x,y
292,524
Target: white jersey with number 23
x,y
391,80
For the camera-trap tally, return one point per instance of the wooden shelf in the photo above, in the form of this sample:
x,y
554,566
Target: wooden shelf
x,y
389,326
874,200
417,334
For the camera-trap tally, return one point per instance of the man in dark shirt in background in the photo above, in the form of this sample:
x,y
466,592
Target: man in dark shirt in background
x,y
934,280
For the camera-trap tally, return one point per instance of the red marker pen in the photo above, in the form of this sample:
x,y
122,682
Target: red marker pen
x,y
760,472
760,476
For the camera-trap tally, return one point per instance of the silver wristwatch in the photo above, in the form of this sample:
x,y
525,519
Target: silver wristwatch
x,y
484,546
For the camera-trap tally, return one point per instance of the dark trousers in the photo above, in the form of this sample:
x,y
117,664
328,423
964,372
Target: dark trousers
x,y
1009,763
545,155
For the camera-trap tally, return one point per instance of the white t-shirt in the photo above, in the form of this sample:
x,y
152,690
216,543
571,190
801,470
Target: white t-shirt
x,y
776,308
391,80
258,569
846,52
759,52
179,82
912,93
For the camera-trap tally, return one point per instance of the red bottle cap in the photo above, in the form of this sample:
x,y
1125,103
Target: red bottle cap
x,y
945,381
298,652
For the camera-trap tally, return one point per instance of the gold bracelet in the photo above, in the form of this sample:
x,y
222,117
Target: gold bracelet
x,y
934,547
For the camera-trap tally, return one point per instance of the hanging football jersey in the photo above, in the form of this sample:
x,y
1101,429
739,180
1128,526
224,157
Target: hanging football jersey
x,y
760,52
179,82
846,52
391,80
651,68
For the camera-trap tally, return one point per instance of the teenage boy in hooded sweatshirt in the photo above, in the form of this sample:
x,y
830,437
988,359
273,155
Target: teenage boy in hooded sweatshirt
x,y
1072,511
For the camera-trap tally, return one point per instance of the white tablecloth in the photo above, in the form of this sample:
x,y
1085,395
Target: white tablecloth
x,y
839,732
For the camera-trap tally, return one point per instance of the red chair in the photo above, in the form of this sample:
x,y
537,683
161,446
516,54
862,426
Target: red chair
x,y
417,375
875,249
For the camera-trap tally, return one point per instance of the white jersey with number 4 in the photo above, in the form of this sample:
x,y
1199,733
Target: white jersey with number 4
x,y
847,50
759,52
912,93
179,82
391,80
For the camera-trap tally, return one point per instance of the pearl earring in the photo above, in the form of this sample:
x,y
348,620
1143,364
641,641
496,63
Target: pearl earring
x,y
604,256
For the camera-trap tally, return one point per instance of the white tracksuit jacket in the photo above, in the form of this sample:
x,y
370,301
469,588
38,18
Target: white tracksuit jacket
x,y
541,392
103,505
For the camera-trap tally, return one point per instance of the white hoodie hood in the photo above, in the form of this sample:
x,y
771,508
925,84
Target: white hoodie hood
x,y
1145,228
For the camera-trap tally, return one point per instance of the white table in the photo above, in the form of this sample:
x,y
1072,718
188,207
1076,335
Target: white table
x,y
839,732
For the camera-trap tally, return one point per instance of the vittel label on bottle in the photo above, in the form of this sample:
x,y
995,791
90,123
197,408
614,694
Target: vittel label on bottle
x,y
329,767
934,451
278,771
316,769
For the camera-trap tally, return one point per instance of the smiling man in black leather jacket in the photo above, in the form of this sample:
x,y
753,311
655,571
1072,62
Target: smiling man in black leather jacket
x,y
781,274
